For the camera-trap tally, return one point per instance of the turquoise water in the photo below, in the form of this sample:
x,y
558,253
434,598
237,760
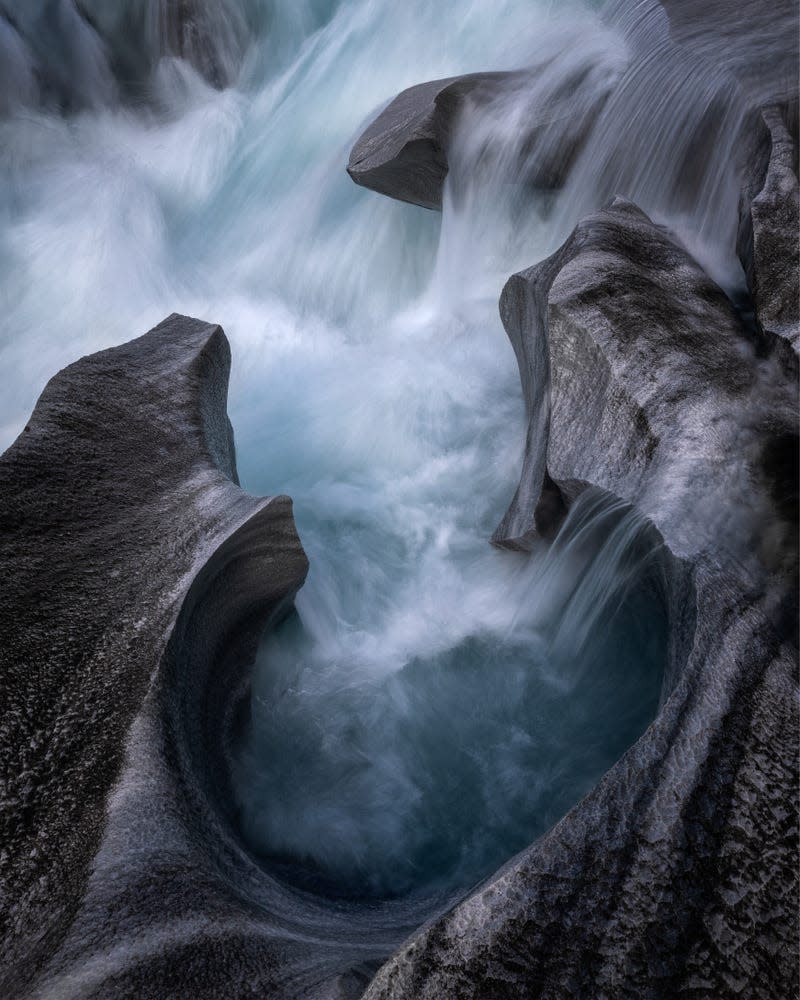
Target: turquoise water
x,y
436,703
427,716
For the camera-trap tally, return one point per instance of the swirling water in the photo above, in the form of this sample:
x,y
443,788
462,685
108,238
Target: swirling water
x,y
436,703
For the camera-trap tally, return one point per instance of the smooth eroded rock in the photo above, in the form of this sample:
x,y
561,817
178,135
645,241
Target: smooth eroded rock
x,y
139,576
405,152
140,579
676,876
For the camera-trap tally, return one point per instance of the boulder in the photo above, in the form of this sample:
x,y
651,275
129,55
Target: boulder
x,y
676,876
405,152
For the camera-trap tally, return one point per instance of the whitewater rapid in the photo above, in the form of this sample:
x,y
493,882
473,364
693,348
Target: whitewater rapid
x,y
436,703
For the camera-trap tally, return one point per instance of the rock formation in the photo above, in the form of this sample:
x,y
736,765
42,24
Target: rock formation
x,y
142,578
404,151
676,876
74,54
770,222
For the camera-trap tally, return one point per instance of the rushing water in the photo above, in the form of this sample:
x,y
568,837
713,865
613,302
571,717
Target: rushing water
x,y
419,725
436,703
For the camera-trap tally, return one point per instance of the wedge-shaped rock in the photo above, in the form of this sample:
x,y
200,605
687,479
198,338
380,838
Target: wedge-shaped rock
x,y
404,153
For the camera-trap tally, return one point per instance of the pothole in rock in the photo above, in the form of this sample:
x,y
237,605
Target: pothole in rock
x,y
417,756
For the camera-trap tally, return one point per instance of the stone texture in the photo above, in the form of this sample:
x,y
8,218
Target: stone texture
x,y
404,151
139,578
769,226
676,876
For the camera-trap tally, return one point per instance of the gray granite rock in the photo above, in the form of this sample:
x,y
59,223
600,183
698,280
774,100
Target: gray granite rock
x,y
139,578
119,522
404,151
676,876
142,576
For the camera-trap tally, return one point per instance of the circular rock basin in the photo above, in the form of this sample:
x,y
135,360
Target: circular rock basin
x,y
413,752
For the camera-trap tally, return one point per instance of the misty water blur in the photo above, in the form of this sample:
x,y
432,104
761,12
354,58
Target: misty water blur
x,y
437,702
416,748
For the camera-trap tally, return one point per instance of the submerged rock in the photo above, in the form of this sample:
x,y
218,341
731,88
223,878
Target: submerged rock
x,y
68,56
761,53
676,876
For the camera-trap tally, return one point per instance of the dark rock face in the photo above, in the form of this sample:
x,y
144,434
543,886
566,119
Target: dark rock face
x,y
770,222
676,876
404,152
136,562
141,579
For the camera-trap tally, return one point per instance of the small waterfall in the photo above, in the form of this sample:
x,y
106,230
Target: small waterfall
x,y
616,109
437,703
417,753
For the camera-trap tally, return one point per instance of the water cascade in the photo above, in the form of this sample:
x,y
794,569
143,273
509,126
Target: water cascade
x,y
436,703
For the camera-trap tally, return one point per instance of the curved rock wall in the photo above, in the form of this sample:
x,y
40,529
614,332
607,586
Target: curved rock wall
x,y
119,524
143,577
676,876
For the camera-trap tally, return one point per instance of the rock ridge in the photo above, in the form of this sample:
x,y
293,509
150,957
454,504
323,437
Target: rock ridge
x,y
121,518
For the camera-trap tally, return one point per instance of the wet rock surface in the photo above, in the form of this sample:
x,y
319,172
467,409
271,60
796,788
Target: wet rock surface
x,y
760,52
676,875
142,577
404,153
770,221
71,56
